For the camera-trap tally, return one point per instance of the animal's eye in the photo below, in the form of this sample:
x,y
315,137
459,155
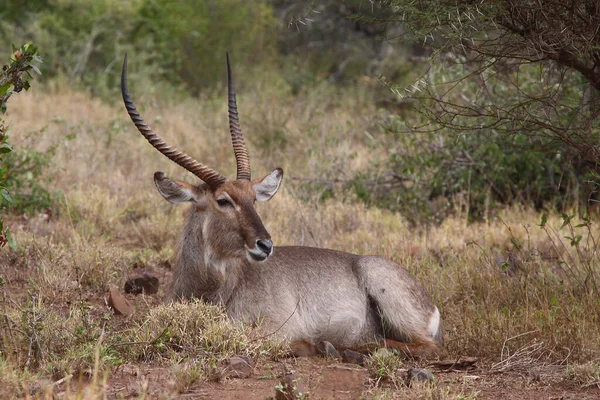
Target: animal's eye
x,y
224,203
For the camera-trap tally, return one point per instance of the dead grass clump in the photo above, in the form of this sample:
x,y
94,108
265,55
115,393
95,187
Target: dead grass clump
x,y
35,337
199,330
429,392
15,382
188,375
386,368
586,374
58,268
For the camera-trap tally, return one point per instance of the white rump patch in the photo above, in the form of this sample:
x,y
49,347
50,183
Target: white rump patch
x,y
434,323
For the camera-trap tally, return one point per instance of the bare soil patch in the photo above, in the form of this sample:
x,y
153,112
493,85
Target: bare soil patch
x,y
329,379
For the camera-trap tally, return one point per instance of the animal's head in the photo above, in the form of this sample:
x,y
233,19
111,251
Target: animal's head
x,y
231,226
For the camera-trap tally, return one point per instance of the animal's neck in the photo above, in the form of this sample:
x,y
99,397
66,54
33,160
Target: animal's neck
x,y
200,272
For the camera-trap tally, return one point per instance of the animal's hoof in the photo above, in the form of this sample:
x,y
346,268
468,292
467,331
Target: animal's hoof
x,y
419,375
353,357
326,349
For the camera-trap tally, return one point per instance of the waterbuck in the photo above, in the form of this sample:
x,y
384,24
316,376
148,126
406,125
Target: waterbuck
x,y
306,295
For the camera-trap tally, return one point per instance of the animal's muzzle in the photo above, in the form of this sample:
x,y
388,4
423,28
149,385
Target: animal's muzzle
x,y
262,249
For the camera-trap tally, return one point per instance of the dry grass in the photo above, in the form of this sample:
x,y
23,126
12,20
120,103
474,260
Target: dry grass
x,y
501,285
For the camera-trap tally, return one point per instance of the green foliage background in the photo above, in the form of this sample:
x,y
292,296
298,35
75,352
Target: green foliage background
x,y
440,162
181,43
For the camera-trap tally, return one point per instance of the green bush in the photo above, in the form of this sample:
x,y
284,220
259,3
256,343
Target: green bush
x,y
442,163
22,170
14,77
180,43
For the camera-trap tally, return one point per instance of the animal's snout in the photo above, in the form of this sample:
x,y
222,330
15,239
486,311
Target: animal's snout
x,y
262,249
265,245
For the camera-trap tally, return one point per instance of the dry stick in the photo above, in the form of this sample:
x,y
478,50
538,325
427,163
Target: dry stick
x,y
515,337
62,380
504,363
522,356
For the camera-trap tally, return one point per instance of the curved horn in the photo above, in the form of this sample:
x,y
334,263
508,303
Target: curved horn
x,y
211,177
239,147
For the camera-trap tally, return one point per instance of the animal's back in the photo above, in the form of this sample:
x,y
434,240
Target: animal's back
x,y
316,294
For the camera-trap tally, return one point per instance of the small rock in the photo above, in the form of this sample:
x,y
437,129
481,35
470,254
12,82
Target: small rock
x,y
239,367
290,388
353,357
419,375
141,280
326,349
119,303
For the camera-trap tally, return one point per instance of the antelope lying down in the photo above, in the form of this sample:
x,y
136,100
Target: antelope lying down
x,y
307,295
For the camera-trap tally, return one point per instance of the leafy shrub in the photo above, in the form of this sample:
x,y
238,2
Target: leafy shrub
x,y
442,163
172,42
13,78
22,171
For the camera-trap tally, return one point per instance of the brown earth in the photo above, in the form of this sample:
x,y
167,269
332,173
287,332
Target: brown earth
x,y
328,379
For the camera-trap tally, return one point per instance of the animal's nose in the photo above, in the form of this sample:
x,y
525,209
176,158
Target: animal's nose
x,y
265,245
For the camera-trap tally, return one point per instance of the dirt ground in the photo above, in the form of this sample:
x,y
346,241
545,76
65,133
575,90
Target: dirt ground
x,y
330,379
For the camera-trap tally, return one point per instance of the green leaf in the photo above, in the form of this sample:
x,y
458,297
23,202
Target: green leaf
x,y
515,243
4,89
544,220
36,69
6,195
5,148
11,240
566,220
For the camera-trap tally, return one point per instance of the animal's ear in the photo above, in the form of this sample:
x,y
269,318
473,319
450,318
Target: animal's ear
x,y
266,187
174,191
